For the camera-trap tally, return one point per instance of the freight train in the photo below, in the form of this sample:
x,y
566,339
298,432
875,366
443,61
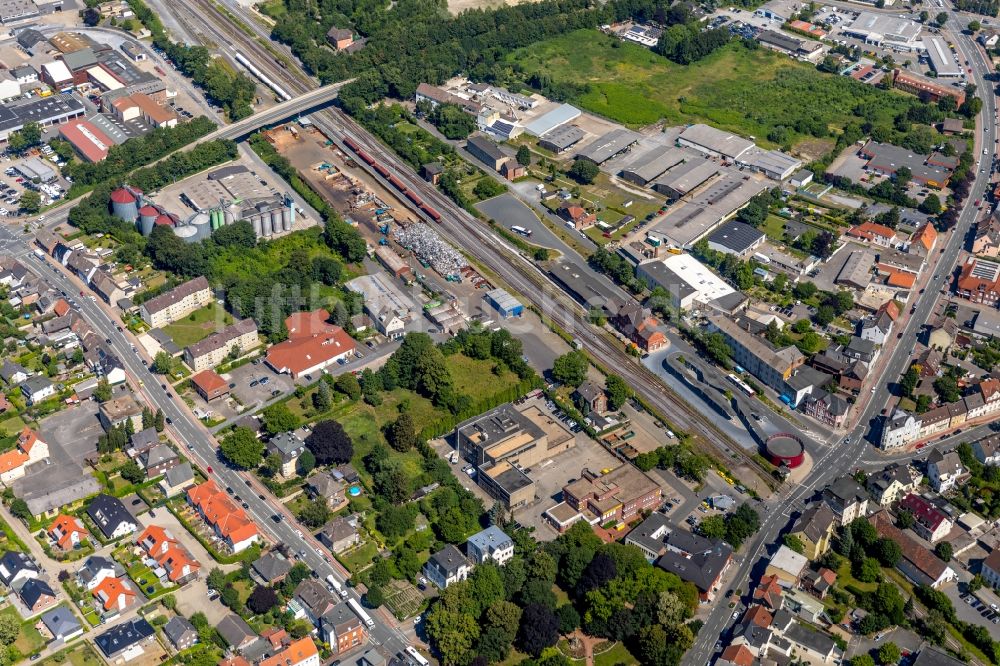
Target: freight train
x,y
393,180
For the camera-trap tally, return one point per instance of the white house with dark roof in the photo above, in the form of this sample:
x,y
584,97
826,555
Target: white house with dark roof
x,y
491,544
447,566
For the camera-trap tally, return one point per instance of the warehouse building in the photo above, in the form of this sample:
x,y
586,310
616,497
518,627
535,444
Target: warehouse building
x,y
688,222
45,111
684,178
17,10
857,270
713,142
774,164
57,75
881,28
736,238
561,139
504,303
918,85
32,168
943,61
87,140
388,307
801,49
557,117
688,281
886,159
609,145
653,164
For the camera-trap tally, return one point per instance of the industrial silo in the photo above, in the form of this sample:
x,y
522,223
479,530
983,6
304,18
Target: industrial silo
x,y
147,216
202,223
216,218
275,220
231,214
258,229
290,205
124,205
187,233
286,219
163,220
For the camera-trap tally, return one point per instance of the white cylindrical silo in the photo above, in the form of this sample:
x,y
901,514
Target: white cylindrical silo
x,y
258,230
275,221
202,223
286,219
187,233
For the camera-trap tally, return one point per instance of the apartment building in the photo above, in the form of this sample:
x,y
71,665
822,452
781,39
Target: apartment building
x,y
213,350
179,302
772,366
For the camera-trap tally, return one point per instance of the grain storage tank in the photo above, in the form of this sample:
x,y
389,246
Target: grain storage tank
x,y
275,220
286,219
163,220
202,223
124,205
187,233
147,215
217,220
258,230
231,214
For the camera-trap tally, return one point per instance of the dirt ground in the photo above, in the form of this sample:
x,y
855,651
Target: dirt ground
x,y
459,6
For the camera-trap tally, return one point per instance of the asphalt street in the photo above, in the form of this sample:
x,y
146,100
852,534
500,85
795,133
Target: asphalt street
x,y
200,444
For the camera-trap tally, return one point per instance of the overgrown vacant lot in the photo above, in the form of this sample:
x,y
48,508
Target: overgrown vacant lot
x,y
747,91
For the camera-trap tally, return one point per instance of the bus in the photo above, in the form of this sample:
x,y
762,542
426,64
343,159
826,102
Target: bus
x,y
416,656
521,231
742,385
360,612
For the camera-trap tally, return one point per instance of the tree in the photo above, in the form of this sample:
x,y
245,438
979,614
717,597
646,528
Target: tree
x,y
930,205
888,552
27,137
618,391
487,188
10,628
889,653
19,509
163,363
103,391
147,417
278,418
941,18
539,627
452,633
348,384
795,543
975,26
868,571
524,156
944,550
569,619
718,349
262,599
583,171
315,513
330,443
402,434
30,202
321,399
862,660
131,472
601,570
305,463
242,449
91,17
216,579
159,421
713,527
571,368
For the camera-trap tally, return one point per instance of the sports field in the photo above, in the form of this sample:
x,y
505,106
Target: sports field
x,y
751,92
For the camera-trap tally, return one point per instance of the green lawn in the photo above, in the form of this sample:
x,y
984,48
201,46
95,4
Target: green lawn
x,y
11,425
360,557
198,325
28,640
79,655
616,655
749,92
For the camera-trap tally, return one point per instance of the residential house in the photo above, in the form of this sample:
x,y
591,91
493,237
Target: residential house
x,y
787,565
826,407
142,441
115,594
703,568
819,583
877,234
736,655
339,534
638,325
324,485
236,632
301,652
892,483
111,517
16,568
158,460
342,629
899,429
918,563
804,605
105,286
36,389
990,569
923,240
95,570
228,520
769,592
491,544
314,600
271,567
591,397
944,470
815,528
930,522
12,373
210,385
447,566
160,544
987,240
847,499
987,450
577,216
62,624
117,411
28,450
177,479
209,352
126,637
180,632
288,446
772,366
37,595
941,334
876,327
67,532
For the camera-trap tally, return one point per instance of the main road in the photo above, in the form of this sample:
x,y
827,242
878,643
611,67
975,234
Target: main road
x,y
857,453
191,434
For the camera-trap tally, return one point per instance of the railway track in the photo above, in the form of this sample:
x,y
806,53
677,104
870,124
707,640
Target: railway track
x,y
472,237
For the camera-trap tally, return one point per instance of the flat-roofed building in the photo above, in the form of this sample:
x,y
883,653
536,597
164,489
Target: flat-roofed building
x,y
685,177
857,270
772,163
878,28
617,495
698,215
557,117
561,138
714,142
503,433
942,59
688,281
46,111
507,484
736,238
17,10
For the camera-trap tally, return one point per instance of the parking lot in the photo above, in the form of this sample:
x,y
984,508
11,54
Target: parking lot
x,y
257,384
71,435
970,609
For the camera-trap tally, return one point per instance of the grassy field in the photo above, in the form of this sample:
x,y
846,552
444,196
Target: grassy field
x,y
749,92
80,655
359,558
616,655
198,325
28,640
11,426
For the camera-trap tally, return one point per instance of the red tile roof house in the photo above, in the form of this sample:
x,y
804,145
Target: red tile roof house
x,y
160,545
228,520
930,522
875,233
115,594
67,532
918,563
578,217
